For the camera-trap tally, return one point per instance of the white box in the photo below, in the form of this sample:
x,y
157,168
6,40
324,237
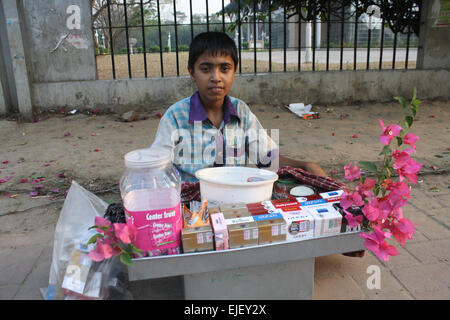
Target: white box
x,y
299,225
332,196
327,220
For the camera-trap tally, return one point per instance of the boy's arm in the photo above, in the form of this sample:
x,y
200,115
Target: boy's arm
x,y
305,165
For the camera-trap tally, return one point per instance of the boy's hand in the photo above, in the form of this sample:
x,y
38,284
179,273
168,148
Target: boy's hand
x,y
311,167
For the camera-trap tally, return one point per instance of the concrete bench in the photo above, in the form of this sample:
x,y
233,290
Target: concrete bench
x,y
273,271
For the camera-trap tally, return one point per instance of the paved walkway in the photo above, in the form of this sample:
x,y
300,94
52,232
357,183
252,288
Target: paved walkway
x,y
421,271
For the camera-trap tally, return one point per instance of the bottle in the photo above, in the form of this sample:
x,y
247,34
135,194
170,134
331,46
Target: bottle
x,y
150,188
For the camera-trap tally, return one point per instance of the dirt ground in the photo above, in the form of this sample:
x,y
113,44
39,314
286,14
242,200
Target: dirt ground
x,y
104,65
44,156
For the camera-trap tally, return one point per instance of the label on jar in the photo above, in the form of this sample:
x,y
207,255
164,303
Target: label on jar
x,y
157,229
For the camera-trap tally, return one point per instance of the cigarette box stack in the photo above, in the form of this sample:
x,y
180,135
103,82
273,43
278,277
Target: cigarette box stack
x,y
242,228
197,239
219,226
271,227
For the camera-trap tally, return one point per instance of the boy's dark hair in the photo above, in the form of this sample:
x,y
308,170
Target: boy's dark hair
x,y
214,42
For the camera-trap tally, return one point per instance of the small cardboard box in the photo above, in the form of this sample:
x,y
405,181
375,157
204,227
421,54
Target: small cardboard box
x,y
327,219
197,239
236,213
237,205
299,225
243,231
220,230
271,227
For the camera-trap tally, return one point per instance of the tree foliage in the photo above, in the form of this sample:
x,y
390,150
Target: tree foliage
x,y
401,16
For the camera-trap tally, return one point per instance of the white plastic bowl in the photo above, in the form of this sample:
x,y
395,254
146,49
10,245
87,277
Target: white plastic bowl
x,y
230,185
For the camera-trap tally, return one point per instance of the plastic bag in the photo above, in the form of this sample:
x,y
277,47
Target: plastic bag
x,y
73,275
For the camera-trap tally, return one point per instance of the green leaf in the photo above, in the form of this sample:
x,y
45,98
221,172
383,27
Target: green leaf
x,y
93,227
125,258
438,156
369,166
402,101
409,121
399,141
414,111
93,239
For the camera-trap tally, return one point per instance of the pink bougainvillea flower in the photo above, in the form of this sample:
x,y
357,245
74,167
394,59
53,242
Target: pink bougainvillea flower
x,y
5,161
24,180
355,136
376,243
372,209
102,222
5,180
56,190
365,188
46,164
402,229
102,251
350,199
410,139
352,173
34,194
353,221
125,232
159,115
389,133
66,134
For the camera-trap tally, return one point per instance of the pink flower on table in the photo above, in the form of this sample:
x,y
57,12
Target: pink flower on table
x,y
125,232
410,139
402,229
376,243
352,173
353,221
102,251
389,133
350,199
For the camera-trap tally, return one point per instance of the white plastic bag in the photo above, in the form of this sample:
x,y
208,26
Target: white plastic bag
x,y
77,215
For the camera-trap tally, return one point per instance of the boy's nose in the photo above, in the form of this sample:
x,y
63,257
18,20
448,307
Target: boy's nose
x,y
215,75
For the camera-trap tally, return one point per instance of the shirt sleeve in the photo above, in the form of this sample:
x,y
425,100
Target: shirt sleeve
x,y
166,136
263,151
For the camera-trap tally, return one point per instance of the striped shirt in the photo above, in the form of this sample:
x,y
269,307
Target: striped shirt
x,y
195,143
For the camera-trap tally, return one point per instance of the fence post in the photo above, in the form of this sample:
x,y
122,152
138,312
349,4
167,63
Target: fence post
x,y
434,41
13,11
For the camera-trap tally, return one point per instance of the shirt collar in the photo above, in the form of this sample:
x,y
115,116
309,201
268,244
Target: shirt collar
x,y
197,111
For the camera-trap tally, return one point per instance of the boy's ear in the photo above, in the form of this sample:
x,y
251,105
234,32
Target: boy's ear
x,y
191,73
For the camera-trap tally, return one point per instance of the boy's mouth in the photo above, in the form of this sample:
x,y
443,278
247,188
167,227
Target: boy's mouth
x,y
216,89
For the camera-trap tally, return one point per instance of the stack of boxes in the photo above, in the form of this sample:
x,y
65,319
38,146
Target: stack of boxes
x,y
240,225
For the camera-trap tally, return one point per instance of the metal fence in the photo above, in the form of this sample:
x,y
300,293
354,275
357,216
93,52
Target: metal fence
x,y
150,38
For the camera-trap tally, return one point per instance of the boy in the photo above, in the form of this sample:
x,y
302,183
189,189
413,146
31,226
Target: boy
x,y
211,128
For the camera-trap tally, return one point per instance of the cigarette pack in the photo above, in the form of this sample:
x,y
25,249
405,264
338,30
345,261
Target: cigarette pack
x,y
220,230
271,227
237,205
197,239
77,272
299,225
236,213
327,219
242,230
332,196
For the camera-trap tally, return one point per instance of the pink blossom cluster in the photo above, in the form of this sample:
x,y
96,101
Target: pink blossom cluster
x,y
111,238
384,212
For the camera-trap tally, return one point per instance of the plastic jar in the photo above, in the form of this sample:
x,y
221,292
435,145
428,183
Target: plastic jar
x,y
283,186
150,189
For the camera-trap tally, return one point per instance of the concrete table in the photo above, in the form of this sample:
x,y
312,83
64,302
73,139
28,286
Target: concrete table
x,y
274,271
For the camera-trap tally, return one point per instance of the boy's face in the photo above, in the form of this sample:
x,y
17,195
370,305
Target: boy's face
x,y
214,76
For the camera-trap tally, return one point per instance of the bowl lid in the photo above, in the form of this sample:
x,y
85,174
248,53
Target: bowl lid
x,y
236,176
147,158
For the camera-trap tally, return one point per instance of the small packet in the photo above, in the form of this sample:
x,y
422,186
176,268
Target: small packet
x,y
193,219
